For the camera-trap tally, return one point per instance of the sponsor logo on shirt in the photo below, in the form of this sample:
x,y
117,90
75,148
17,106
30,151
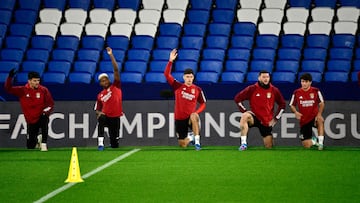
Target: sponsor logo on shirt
x,y
187,96
106,97
307,103
268,95
38,95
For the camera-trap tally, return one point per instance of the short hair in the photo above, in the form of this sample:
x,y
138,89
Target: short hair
x,y
33,74
306,77
264,71
188,71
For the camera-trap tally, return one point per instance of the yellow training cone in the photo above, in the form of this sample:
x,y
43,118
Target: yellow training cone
x,y
74,175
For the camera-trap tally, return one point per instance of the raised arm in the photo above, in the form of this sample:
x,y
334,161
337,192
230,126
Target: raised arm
x,y
114,63
167,71
16,90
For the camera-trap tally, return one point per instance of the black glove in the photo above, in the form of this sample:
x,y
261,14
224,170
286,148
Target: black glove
x,y
12,73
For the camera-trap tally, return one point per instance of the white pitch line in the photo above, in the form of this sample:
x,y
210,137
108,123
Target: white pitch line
x,y
93,172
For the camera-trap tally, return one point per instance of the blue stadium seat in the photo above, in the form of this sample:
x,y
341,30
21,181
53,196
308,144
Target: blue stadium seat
x,y
110,74
7,4
315,53
53,78
169,29
42,42
37,66
67,42
207,77
289,54
339,65
198,16
6,66
136,66
219,29
286,65
92,42
244,28
85,67
178,76
236,66
88,55
300,3
316,76
119,55
343,40
155,77
336,77
133,4
158,66
229,4
238,54
30,5
211,66
131,77
354,76
240,41
252,76
232,77
106,66
142,42
264,54
188,54
138,55
216,41
267,41
63,55
213,54
5,17
14,55
22,78
357,65
349,3
201,4
3,77
192,42
223,16
80,77
194,29
357,53
341,53
3,30
37,55
59,4
325,3
17,42
117,42
292,41
167,42
161,54
318,41
25,16
280,77
313,66
258,65
180,66
83,4
107,4
60,67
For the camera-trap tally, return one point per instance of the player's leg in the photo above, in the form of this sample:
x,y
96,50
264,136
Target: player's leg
x,y
320,129
194,122
268,141
32,133
266,133
114,129
246,120
306,135
44,124
101,130
181,128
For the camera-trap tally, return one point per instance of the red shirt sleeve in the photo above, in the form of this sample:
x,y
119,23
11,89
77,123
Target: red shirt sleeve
x,y
242,96
167,73
15,90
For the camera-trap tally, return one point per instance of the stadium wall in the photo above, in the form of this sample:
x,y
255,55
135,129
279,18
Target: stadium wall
x,y
150,122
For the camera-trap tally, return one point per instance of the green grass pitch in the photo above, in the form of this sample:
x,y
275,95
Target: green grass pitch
x,y
171,174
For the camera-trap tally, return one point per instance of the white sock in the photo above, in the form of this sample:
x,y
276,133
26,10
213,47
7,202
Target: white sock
x,y
101,141
321,140
190,136
243,139
197,139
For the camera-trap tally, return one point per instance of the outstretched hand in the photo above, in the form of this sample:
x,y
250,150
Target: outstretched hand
x,y
12,73
173,55
109,50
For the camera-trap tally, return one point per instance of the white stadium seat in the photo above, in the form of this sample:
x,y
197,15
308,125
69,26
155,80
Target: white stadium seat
x,y
174,16
96,29
100,15
248,15
320,28
272,15
176,4
124,15
76,15
298,14
294,28
348,14
255,4
269,28
50,15
145,29
71,29
124,29
322,14
345,27
149,16
46,29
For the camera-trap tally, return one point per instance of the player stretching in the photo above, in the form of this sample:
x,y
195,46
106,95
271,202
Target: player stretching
x,y
187,95
310,103
108,106
262,97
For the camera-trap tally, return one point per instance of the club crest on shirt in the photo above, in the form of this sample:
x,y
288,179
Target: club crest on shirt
x,y
192,91
312,95
268,95
37,95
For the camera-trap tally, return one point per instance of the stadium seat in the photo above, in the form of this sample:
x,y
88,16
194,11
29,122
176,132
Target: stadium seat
x,y
295,28
37,55
211,66
240,41
49,29
357,65
67,42
83,4
275,4
226,5
74,29
272,15
161,54
201,4
248,15
123,15
216,41
167,42
6,66
192,42
236,66
280,77
341,53
349,3
206,77
336,77
267,41
170,29
322,14
133,4
53,78
188,54
59,4
131,77
76,15
119,55
213,54
5,17
42,42
258,65
178,76
85,67
315,53
60,67
99,29
176,4
110,74
244,28
50,15
146,29
252,76
287,66
16,42
264,54
7,5
25,16
117,42
155,77
22,78
150,16
20,29
14,55
180,66
345,27
158,66
37,66
272,28
3,77
153,4
106,66
198,16
3,30
318,41
238,54
289,54
232,77
357,53
92,42
194,29
222,16
142,42
348,14
253,4
121,29
100,15
80,77
29,5
88,55
174,16
136,66
325,3
106,4
316,76
339,65
292,41
343,40
313,66
138,55
297,14
317,27
353,76
63,55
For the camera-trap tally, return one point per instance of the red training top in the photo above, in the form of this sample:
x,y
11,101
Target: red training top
x,y
109,101
261,102
34,102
